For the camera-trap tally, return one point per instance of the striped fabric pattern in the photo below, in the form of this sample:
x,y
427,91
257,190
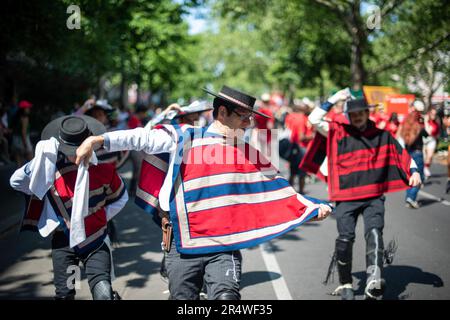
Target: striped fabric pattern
x,y
105,187
233,205
32,214
153,172
364,164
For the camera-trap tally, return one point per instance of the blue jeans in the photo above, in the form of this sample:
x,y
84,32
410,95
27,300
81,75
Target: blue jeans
x,y
418,158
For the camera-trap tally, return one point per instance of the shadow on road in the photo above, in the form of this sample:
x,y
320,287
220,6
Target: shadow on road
x,y
138,240
427,202
25,288
256,277
397,280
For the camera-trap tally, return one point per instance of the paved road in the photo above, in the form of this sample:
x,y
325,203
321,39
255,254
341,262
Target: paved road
x,y
290,267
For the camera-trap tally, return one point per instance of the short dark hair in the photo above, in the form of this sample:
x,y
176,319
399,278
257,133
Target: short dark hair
x,y
221,102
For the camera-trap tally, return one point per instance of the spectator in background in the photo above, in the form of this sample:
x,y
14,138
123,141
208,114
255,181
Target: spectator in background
x,y
393,124
261,134
297,123
412,132
139,118
76,107
11,110
100,110
264,107
4,145
120,117
21,147
378,116
433,129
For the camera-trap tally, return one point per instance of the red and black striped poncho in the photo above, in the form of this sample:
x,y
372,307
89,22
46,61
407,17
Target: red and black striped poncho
x,y
361,164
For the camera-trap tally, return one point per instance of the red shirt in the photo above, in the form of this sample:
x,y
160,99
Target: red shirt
x,y
298,124
134,122
392,127
262,122
434,128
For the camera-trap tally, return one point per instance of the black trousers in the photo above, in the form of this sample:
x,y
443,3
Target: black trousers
x,y
97,265
347,213
221,272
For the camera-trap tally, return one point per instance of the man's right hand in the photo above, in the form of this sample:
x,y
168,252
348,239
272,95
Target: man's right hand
x,y
341,95
84,151
173,106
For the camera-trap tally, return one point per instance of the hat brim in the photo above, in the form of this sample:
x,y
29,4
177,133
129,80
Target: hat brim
x,y
52,130
179,115
234,103
367,107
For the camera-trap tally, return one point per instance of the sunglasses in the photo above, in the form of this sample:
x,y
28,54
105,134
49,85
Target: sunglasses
x,y
243,117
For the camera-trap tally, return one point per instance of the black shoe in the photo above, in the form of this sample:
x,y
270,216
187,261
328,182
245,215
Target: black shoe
x,y
447,190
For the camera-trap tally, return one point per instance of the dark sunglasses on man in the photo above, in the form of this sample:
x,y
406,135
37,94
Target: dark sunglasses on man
x,y
243,116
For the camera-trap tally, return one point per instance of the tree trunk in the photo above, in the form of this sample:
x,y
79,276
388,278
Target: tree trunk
x,y
357,47
321,89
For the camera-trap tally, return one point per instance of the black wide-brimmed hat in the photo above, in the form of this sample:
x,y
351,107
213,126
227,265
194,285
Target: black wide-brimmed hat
x,y
71,131
356,105
237,98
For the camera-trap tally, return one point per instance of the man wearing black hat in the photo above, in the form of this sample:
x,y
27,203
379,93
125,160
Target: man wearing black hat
x,y
217,204
363,163
73,204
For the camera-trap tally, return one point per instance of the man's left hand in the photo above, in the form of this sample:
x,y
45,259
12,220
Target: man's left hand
x,y
324,211
415,180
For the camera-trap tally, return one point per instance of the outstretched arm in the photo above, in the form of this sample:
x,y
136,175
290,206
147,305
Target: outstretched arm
x,y
20,180
139,139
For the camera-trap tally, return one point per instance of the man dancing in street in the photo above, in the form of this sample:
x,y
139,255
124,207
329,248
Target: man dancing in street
x,y
219,199
364,162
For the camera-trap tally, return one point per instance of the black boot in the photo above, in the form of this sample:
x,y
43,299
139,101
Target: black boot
x,y
375,285
344,250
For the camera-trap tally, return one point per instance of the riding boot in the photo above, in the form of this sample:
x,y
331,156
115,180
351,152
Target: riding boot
x,y
344,249
375,285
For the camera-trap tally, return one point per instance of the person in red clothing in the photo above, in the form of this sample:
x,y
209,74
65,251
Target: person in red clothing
x,y
301,134
137,119
263,122
261,135
378,116
433,129
393,124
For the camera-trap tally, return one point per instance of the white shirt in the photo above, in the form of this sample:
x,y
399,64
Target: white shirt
x,y
154,141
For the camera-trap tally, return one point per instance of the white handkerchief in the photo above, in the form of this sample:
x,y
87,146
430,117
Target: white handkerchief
x,y
48,221
43,167
80,205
